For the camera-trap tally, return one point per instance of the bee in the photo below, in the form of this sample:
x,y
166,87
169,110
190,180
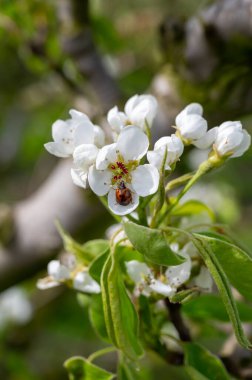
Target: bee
x,y
123,194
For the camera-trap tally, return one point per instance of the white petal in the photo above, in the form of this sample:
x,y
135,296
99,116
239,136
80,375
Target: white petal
x,y
76,115
137,271
106,155
79,177
145,110
192,126
179,274
191,109
59,150
63,131
204,279
227,141
207,140
85,283
118,209
58,271
84,132
99,136
99,180
245,144
132,143
47,283
161,288
85,155
155,158
116,119
234,125
130,104
145,180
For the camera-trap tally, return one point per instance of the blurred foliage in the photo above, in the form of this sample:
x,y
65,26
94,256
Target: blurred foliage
x,y
36,80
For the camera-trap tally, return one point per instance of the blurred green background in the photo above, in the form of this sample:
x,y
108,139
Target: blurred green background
x,y
52,58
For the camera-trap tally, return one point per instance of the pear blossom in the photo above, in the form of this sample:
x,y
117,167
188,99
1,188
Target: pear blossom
x,y
192,127
166,284
204,280
231,140
118,165
69,134
174,147
59,273
139,110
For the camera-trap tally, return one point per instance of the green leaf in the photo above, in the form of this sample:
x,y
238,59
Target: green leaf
x,y
216,270
81,369
95,268
204,362
210,307
185,296
192,207
84,252
236,263
194,374
152,244
96,316
120,314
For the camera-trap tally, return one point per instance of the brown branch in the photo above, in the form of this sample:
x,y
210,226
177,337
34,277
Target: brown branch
x,y
176,318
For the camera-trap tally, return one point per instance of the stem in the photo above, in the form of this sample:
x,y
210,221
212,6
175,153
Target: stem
x,y
178,181
101,352
176,319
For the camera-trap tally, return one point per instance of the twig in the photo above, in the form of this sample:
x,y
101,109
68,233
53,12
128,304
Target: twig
x,y
177,320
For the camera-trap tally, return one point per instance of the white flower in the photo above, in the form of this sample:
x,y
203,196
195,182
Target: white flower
x,y
69,134
192,127
174,147
139,110
15,307
166,284
118,172
57,273
231,140
85,283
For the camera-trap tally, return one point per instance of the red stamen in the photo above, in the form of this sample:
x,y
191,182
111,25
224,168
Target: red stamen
x,y
113,167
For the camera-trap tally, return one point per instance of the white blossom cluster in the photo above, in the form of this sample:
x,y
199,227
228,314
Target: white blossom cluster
x,y
126,169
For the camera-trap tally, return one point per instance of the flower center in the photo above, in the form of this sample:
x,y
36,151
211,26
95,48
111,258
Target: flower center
x,y
121,170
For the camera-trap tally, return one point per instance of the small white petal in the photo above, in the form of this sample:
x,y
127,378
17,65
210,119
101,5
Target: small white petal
x,y
79,177
58,150
85,283
234,125
47,283
63,131
58,271
130,104
142,109
161,288
118,209
137,271
99,180
99,136
191,109
132,143
116,119
207,140
106,155
145,180
84,133
179,274
76,115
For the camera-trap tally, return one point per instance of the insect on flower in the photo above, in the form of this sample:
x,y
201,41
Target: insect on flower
x,y
123,194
